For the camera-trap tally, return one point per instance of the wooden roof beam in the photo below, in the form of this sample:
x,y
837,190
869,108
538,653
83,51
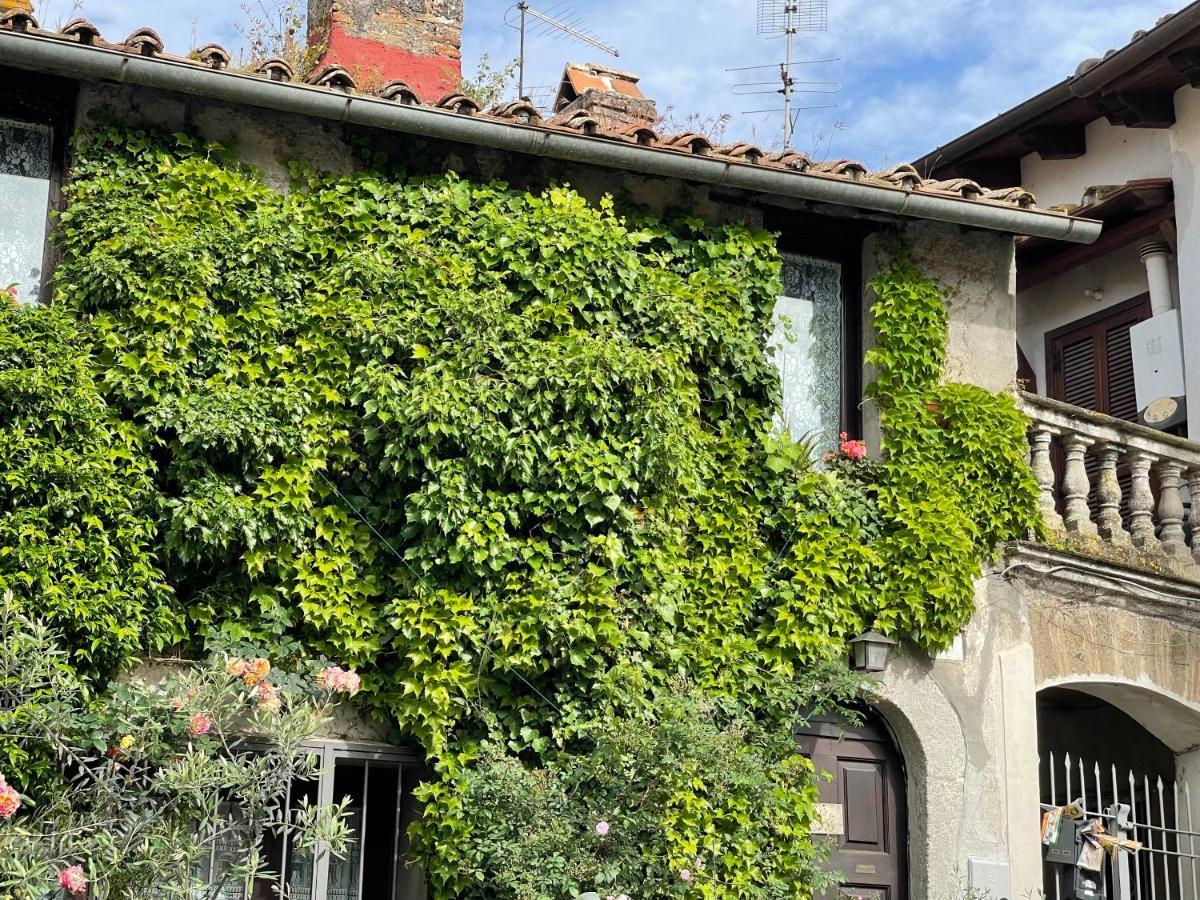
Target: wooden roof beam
x,y
1056,141
1139,109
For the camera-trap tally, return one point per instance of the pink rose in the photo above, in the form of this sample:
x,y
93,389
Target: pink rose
x,y
10,800
685,875
199,724
602,828
72,880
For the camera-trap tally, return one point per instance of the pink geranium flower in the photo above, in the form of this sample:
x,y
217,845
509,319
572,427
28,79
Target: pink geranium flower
x,y
602,828
72,880
10,800
685,875
199,724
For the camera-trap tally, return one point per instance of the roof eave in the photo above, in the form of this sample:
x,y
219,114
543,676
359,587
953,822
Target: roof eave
x,y
62,57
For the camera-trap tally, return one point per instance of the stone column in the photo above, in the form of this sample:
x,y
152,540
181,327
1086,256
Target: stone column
x,y
1078,517
1170,508
1043,473
1108,489
1141,501
1193,480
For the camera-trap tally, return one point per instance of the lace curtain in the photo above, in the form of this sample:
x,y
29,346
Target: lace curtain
x,y
806,348
24,200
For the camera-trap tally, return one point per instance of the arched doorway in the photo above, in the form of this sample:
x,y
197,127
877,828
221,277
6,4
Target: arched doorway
x,y
1091,750
864,804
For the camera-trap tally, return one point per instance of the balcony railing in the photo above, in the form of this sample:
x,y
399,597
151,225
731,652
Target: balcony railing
x,y
1083,495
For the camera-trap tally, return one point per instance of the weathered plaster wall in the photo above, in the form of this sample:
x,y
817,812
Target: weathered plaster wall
x,y
977,271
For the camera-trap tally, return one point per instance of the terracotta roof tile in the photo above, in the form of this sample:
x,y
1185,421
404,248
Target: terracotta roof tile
x,y
963,187
791,159
1015,195
902,175
743,151
334,77
459,103
82,30
18,20
214,56
577,120
146,42
400,92
690,142
521,114
517,111
275,68
637,133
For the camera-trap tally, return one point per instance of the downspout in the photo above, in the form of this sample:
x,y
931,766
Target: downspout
x,y
72,60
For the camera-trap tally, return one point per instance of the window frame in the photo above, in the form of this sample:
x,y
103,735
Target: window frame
x,y
328,753
50,101
840,242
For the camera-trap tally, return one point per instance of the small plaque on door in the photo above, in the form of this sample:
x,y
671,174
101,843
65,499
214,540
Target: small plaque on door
x,y
829,819
864,870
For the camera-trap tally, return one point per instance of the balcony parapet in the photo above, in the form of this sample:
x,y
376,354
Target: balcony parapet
x,y
1091,512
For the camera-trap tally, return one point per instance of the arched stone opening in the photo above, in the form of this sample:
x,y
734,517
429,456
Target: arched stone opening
x,y
1128,752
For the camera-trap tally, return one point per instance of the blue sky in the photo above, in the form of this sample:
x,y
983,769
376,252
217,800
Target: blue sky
x,y
913,73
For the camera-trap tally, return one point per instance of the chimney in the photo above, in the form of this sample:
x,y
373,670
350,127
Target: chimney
x,y
609,96
377,41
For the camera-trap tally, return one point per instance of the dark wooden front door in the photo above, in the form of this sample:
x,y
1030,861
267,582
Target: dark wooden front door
x,y
866,800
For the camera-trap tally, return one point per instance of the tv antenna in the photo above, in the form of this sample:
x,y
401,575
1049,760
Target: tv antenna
x,y
787,19
558,19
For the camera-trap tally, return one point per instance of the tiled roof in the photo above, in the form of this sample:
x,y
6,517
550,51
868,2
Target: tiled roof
x,y
520,114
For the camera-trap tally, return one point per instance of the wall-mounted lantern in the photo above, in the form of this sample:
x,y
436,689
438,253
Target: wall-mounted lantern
x,y
871,651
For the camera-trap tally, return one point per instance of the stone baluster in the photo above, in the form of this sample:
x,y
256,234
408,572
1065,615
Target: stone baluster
x,y
1043,473
1193,480
1170,507
1108,490
1141,501
1077,516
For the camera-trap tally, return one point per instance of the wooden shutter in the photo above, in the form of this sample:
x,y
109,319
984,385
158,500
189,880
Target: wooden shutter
x,y
1090,362
1090,365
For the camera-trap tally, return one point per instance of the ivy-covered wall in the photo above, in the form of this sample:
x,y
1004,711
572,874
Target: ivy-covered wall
x,y
511,455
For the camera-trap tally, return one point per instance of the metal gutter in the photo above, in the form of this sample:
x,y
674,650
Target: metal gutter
x,y
1076,87
61,57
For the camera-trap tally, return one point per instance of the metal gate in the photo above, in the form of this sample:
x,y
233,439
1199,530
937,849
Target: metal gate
x,y
1160,817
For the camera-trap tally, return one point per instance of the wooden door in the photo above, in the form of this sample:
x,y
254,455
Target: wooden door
x,y
864,805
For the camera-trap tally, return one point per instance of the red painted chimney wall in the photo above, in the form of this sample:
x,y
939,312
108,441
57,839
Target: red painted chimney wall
x,y
415,41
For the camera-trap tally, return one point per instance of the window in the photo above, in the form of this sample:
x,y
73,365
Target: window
x,y
26,156
807,346
379,784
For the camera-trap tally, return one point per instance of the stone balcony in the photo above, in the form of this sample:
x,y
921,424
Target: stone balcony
x,y
1116,490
